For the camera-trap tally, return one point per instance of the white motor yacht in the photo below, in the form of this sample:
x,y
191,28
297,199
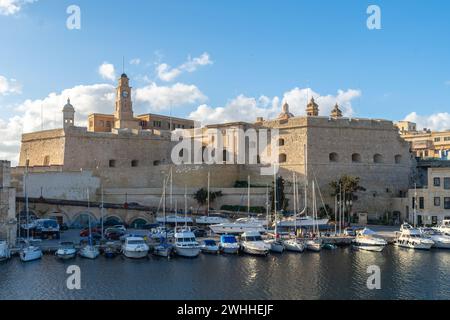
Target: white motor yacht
x,y
412,238
89,252
240,226
444,227
185,244
366,240
30,253
252,243
66,251
441,240
5,253
228,244
174,219
135,248
302,222
211,220
294,245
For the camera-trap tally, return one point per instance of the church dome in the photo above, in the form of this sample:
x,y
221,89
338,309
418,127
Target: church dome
x,y
68,107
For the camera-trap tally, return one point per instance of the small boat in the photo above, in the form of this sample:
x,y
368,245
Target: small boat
x,y
89,252
294,245
441,240
163,248
185,244
275,245
5,252
161,232
228,244
366,240
252,243
412,238
211,220
174,219
66,251
209,246
444,227
30,253
110,251
314,245
135,248
329,246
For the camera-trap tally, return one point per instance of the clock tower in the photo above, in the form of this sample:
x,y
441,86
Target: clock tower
x,y
123,115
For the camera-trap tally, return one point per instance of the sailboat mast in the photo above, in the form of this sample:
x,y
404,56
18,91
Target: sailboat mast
x,y
101,212
26,202
275,189
209,182
248,195
295,201
267,207
185,206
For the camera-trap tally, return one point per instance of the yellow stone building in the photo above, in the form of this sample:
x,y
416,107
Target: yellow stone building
x,y
426,143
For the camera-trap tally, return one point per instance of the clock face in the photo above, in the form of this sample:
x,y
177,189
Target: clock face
x,y
124,94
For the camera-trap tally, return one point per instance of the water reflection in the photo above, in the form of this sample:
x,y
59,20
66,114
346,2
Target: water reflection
x,y
337,274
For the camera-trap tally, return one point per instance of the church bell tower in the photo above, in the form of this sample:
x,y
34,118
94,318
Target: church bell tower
x,y
123,115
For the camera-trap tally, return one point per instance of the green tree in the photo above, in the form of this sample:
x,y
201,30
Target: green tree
x,y
282,202
201,196
350,186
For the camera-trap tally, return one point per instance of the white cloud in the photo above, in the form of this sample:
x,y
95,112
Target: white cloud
x,y
163,97
9,86
107,71
167,73
244,108
11,7
135,61
436,122
85,99
447,83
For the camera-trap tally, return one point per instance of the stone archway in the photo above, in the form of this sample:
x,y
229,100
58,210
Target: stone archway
x,y
112,220
138,222
81,220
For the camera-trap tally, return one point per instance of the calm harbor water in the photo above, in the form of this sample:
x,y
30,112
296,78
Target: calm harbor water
x,y
338,274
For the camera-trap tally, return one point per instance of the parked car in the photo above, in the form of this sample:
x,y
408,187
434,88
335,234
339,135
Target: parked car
x,y
120,227
200,233
64,227
85,232
114,235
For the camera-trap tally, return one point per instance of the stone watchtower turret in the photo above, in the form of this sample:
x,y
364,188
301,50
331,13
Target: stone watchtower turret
x,y
336,112
68,115
312,109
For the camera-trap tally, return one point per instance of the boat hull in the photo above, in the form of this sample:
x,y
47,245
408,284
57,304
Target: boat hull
x,y
210,250
416,246
135,254
30,255
313,246
217,229
255,251
294,246
372,248
89,253
187,252
66,256
230,250
441,245
162,251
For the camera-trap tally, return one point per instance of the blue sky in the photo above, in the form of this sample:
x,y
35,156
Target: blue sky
x,y
255,48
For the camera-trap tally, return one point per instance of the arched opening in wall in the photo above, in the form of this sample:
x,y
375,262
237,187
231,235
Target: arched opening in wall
x,y
356,158
135,163
46,161
282,158
112,163
378,158
334,157
226,156
81,220
138,223
281,142
398,159
112,221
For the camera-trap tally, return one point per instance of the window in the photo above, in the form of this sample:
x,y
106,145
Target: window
x,y
437,139
446,203
378,158
356,158
46,161
112,163
108,124
437,182
413,202
156,163
398,159
421,203
102,123
446,138
447,183
334,157
282,158
437,201
157,124
134,163
281,142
